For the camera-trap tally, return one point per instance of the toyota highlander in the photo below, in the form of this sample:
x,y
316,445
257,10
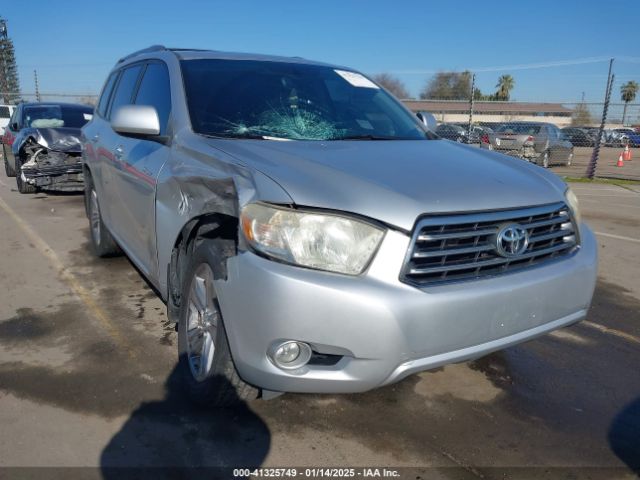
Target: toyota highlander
x,y
309,234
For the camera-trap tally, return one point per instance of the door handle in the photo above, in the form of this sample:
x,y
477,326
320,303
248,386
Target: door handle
x,y
118,152
95,138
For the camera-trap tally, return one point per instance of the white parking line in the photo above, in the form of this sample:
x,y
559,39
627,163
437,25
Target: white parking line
x,y
609,204
630,195
618,237
611,331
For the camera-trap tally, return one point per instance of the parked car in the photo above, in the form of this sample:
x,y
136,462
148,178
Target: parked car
x,y
308,234
537,142
5,114
615,138
630,136
452,132
41,146
477,131
578,137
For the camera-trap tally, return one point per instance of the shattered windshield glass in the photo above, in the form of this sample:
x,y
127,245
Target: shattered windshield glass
x,y
291,101
53,116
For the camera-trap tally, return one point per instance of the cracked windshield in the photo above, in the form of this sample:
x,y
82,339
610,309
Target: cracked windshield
x,y
290,101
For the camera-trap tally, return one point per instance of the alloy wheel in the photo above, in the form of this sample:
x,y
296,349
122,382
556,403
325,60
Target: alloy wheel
x,y
201,323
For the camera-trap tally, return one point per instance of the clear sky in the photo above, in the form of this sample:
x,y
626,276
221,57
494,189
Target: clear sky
x,y
73,44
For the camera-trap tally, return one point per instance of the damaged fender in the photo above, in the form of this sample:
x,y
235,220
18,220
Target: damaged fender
x,y
203,189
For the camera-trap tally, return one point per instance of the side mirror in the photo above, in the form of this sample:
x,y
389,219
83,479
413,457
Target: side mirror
x,y
14,126
136,120
428,120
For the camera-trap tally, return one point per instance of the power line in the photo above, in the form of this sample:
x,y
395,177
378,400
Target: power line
x,y
523,66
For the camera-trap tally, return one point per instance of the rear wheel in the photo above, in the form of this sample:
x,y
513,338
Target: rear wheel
x,y
8,169
205,359
103,243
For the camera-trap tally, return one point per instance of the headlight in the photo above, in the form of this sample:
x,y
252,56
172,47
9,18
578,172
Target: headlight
x,y
314,240
574,206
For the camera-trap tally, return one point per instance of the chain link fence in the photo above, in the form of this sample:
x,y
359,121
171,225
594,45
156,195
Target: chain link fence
x,y
572,118
597,135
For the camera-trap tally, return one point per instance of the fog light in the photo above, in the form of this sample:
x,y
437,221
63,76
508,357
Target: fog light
x,y
289,355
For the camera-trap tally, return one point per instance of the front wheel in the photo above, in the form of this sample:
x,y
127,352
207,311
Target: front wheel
x,y
21,180
205,361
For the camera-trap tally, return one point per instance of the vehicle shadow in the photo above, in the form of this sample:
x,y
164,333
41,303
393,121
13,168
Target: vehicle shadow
x,y
624,435
174,437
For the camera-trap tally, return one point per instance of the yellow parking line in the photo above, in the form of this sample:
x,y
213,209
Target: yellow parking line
x,y
612,331
82,293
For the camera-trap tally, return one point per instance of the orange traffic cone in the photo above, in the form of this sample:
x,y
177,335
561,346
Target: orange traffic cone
x,y
620,161
626,155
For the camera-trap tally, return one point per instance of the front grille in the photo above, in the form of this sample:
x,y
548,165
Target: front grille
x,y
463,246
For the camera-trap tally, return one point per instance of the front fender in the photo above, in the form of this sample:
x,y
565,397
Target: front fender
x,y
197,181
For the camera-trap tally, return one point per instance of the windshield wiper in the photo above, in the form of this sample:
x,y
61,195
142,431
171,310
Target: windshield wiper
x,y
250,136
366,137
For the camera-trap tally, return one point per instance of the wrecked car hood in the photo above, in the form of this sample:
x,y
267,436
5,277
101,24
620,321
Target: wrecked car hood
x,y
397,181
58,139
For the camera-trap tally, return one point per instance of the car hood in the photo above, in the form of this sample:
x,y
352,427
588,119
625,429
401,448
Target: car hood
x,y
59,139
397,181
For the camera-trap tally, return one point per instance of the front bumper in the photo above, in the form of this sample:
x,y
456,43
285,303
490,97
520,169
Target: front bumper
x,y
384,329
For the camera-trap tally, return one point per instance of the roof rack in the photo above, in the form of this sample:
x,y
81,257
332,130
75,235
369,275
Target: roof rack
x,y
152,48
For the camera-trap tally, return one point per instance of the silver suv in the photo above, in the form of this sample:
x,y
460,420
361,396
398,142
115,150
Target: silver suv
x,y
308,234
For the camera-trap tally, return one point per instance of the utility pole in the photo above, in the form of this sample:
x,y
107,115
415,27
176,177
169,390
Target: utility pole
x,y
593,164
9,84
35,78
473,91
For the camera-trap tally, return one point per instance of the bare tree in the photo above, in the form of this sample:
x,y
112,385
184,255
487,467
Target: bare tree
x,y
448,86
393,84
581,115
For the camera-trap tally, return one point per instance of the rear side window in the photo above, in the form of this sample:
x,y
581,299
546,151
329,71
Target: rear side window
x,y
106,93
124,90
4,112
155,91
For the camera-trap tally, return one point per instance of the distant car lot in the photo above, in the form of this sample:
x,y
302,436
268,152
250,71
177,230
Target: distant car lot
x,y
87,373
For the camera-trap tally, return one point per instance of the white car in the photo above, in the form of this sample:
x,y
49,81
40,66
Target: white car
x,y
5,114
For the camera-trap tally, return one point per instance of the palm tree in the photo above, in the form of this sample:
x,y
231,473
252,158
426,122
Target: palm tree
x,y
628,94
505,85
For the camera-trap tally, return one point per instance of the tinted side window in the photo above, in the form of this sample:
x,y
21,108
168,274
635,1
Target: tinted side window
x,y
4,112
155,91
106,93
124,90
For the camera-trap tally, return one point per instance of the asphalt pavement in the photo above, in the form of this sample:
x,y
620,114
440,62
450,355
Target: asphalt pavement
x,y
87,376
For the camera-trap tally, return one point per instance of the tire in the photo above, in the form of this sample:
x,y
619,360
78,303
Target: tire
x,y
23,186
102,242
205,361
8,169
